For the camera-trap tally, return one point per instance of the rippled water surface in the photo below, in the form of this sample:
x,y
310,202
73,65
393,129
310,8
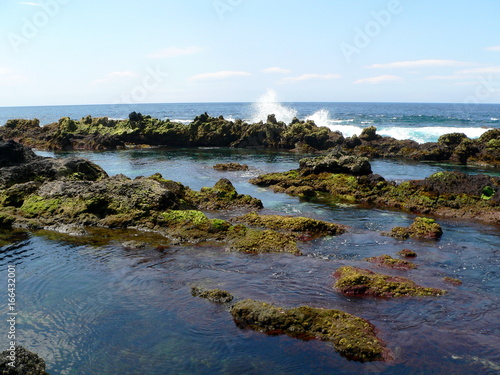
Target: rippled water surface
x,y
92,305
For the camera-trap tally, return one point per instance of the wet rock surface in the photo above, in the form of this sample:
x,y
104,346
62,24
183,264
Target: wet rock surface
x,y
353,337
354,281
25,363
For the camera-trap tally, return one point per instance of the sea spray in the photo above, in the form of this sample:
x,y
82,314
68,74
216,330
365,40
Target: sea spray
x,y
268,104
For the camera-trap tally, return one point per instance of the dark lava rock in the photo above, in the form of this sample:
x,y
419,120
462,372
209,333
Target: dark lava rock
x,y
26,363
214,295
333,163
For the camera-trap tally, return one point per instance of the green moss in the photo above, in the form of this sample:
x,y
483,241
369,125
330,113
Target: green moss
x,y
6,220
214,295
263,241
35,206
353,337
292,224
487,193
421,227
388,261
363,282
183,217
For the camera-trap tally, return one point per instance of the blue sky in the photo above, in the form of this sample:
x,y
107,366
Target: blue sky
x,y
153,51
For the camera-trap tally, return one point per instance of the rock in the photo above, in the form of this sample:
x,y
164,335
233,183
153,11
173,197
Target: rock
x,y
222,196
336,164
354,338
421,227
214,295
369,134
26,362
390,262
255,241
13,153
231,167
362,282
407,253
452,281
292,224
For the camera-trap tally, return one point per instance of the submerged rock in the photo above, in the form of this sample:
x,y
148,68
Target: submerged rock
x,y
214,295
354,338
362,282
25,362
231,167
421,227
452,281
251,240
407,253
390,262
292,224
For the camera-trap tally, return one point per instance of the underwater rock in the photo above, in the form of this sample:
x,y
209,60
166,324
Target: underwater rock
x,y
354,338
452,281
407,253
421,227
362,282
390,262
292,224
230,167
214,295
26,362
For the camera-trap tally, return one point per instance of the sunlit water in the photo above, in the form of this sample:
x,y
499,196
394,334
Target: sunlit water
x,y
91,305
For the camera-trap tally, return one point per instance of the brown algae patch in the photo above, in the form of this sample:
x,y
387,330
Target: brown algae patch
x,y
390,262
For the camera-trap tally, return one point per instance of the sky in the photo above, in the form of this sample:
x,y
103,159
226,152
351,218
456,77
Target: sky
x,y
67,52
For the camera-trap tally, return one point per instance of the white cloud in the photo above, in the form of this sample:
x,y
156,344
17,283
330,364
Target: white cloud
x,y
114,76
484,70
420,64
310,76
219,75
378,79
276,69
174,52
493,48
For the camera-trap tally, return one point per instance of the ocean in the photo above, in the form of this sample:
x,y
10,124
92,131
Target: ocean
x,y
416,121
93,305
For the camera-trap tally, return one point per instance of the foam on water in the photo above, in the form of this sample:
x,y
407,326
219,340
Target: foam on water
x,y
268,104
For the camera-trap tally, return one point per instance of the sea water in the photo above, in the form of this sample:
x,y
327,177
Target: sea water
x,y
94,305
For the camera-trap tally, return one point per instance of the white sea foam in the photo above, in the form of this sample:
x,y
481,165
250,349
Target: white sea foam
x,y
267,105
320,118
429,133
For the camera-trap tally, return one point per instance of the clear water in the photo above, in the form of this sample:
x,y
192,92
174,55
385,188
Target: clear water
x,y
92,306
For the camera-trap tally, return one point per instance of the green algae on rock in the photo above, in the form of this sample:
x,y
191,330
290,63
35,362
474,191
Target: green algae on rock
x,y
26,362
292,224
230,167
388,261
362,282
214,295
452,281
447,194
407,253
421,227
249,240
354,338
222,196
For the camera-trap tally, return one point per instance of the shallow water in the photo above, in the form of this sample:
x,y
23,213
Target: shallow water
x,y
90,305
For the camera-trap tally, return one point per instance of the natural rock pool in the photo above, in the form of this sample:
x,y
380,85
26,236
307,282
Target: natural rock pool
x,y
119,301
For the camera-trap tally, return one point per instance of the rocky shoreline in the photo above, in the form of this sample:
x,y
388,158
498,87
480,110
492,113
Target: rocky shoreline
x,y
72,195
205,131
